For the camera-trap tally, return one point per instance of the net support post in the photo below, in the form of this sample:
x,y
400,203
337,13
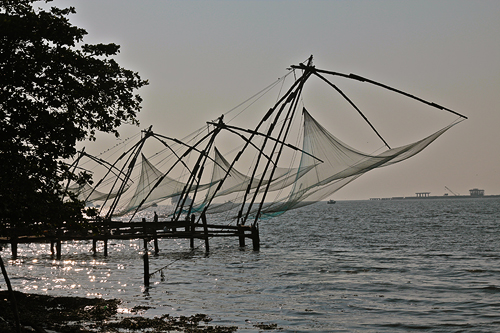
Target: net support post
x,y
255,238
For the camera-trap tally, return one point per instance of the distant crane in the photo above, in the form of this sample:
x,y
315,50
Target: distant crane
x,y
451,191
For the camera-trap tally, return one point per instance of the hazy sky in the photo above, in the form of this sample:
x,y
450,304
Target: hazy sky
x,y
204,57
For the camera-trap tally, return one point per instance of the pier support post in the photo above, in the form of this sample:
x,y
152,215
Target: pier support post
x,y
58,243
191,230
13,243
13,246
94,246
105,247
106,232
155,236
58,249
255,238
145,257
52,251
157,249
205,232
146,263
241,235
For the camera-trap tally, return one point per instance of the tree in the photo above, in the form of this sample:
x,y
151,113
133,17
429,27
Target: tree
x,y
54,92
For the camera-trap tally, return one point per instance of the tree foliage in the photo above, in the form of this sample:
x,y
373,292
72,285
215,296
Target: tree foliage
x,y
54,91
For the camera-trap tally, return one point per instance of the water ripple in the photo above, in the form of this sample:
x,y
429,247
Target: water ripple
x,y
385,266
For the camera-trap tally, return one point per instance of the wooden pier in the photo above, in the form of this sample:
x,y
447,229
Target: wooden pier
x,y
103,231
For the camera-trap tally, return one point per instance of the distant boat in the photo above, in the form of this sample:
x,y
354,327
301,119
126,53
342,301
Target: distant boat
x,y
331,201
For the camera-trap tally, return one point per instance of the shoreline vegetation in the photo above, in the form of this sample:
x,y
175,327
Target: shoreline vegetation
x,y
48,314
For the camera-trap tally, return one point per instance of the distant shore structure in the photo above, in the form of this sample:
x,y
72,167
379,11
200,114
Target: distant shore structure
x,y
476,192
473,193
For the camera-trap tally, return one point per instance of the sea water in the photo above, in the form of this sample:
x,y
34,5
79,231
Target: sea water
x,y
355,266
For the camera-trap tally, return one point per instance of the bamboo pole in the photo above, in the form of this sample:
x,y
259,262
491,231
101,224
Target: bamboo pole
x,y
12,297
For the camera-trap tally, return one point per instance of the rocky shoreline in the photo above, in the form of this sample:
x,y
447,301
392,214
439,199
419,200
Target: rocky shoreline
x,y
47,314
